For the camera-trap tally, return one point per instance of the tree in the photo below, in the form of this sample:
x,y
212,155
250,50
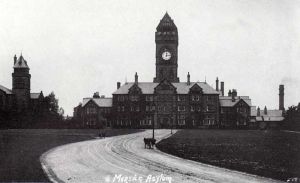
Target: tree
x,y
52,103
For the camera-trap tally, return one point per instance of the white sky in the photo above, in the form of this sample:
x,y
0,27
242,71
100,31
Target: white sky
x,y
76,48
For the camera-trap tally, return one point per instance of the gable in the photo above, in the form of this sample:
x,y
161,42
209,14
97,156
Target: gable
x,y
196,89
241,103
134,89
91,102
165,86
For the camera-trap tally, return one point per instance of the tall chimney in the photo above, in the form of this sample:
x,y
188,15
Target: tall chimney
x,y
188,78
258,111
217,84
265,110
15,59
281,97
136,78
234,92
222,88
229,93
96,95
118,85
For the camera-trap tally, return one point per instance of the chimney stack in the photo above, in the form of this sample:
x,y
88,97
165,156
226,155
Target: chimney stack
x,y
136,78
234,92
217,84
265,110
96,95
15,59
233,95
258,111
118,85
188,78
229,93
222,88
281,97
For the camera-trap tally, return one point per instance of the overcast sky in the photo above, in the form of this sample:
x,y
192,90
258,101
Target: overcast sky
x,y
76,48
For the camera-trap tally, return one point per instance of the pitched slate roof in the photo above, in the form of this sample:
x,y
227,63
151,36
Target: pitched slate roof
x,y
226,101
101,102
181,88
5,90
166,24
34,95
21,63
272,115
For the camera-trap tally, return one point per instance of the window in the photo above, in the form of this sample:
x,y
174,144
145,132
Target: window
x,y
195,97
148,120
91,110
181,120
199,108
210,107
149,98
209,120
181,108
147,108
194,123
153,108
134,97
192,108
180,98
137,108
123,108
131,108
159,108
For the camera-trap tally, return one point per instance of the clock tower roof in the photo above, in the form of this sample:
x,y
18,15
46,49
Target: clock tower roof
x,y
166,24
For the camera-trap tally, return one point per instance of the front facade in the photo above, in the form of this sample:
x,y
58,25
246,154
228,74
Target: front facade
x,y
168,103
165,105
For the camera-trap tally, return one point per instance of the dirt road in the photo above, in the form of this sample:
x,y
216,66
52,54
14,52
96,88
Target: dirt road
x,y
124,159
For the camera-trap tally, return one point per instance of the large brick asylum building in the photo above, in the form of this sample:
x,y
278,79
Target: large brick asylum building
x,y
166,101
19,98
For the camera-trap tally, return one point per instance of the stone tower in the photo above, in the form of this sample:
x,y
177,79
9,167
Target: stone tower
x,y
166,39
281,97
21,83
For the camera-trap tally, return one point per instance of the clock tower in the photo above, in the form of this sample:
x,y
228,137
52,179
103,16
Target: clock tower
x,y
166,40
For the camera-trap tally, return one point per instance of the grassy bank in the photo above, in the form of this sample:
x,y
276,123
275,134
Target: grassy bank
x,y
20,150
273,154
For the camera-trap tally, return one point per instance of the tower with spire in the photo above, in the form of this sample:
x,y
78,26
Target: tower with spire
x,y
21,83
166,39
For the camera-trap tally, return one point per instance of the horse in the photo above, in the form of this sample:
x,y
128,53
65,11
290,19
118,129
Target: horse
x,y
149,142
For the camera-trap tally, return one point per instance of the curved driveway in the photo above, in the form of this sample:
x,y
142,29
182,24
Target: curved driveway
x,y
124,159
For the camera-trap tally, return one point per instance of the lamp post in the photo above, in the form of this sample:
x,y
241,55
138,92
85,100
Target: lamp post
x,y
152,123
172,119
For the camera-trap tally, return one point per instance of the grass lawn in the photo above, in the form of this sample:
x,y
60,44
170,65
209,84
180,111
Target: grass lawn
x,y
20,150
273,154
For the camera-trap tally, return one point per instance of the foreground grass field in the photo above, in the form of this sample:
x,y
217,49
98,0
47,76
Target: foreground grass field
x,y
273,154
20,150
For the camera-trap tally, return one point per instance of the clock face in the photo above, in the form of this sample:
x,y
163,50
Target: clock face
x,y
166,55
